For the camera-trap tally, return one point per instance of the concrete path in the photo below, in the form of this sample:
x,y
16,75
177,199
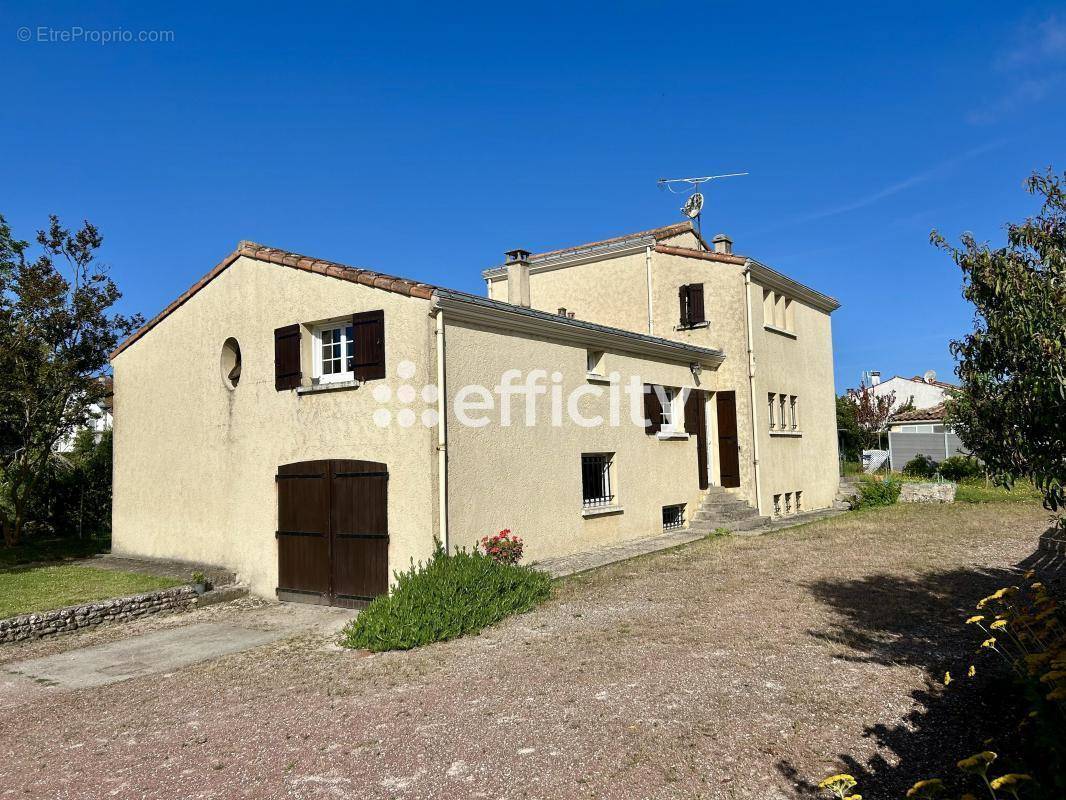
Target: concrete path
x,y
162,651
167,650
581,562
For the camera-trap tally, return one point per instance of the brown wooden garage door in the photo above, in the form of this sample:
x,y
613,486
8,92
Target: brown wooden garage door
x,y
333,532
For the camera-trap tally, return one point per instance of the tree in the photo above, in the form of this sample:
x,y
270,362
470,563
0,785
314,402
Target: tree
x,y
1011,410
55,336
851,436
871,413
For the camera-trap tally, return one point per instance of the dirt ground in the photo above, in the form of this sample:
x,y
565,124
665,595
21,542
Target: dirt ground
x,y
728,668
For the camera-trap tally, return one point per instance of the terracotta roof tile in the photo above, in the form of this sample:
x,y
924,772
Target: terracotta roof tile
x,y
285,258
932,414
663,232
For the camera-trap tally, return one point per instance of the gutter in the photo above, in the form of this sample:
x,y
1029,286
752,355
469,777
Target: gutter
x,y
647,268
442,434
751,387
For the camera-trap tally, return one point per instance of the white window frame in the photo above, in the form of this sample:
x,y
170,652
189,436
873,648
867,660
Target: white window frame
x,y
317,331
668,416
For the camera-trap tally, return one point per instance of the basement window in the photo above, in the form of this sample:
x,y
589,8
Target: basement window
x,y
673,517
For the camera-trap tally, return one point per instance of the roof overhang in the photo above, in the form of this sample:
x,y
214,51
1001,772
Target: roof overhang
x,y
519,319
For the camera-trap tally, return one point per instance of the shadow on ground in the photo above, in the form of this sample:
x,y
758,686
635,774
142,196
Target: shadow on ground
x,y
919,622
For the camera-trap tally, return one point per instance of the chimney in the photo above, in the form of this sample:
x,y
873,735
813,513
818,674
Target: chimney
x,y
722,244
562,311
518,277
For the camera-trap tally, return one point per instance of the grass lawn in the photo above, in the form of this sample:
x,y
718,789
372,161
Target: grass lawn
x,y
43,588
977,491
34,550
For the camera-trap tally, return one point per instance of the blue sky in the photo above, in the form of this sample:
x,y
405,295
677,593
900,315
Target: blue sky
x,y
424,140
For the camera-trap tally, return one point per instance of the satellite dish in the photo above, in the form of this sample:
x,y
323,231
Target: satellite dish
x,y
929,376
693,206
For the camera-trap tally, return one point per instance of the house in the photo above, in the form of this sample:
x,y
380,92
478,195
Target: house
x,y
316,426
920,391
921,431
101,418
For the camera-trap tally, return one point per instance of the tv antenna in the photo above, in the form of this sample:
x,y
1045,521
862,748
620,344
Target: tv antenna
x,y
693,207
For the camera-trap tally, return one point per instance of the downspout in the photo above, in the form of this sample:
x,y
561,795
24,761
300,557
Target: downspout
x,y
751,387
647,269
442,439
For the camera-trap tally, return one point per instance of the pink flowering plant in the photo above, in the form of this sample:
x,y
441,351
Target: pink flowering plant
x,y
504,547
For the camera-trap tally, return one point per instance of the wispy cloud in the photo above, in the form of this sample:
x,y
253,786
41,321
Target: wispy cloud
x,y
902,185
1032,64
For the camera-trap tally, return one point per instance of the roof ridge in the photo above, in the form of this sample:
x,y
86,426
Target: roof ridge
x,y
661,232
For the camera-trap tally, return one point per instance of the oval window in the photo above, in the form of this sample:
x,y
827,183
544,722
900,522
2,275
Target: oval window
x,y
231,363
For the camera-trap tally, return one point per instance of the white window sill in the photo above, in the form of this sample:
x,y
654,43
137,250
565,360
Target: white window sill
x,y
781,331
331,386
593,377
787,433
600,511
693,327
664,436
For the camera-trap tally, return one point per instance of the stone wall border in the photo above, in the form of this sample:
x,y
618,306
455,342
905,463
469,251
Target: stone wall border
x,y
927,493
87,615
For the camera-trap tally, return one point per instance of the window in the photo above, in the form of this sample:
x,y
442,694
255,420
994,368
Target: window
x,y
666,423
788,502
781,406
777,505
334,353
772,403
690,299
793,406
799,502
596,480
778,311
594,362
231,363
673,517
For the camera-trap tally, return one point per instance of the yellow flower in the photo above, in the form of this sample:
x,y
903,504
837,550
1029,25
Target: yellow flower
x,y
975,619
929,788
1054,675
838,784
1058,694
1013,779
989,642
947,679
999,623
978,762
971,671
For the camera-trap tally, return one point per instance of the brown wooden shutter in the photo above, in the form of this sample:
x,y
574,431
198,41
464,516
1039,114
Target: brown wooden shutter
x,y
653,410
682,301
287,373
368,335
692,411
695,304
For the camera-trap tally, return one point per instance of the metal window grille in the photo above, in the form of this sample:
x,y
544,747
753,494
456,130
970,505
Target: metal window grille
x,y
799,502
673,517
773,407
596,480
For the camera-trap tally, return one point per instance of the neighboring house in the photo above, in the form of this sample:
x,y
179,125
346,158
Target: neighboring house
x,y
921,392
921,431
282,416
101,418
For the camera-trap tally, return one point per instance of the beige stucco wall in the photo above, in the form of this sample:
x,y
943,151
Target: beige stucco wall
x,y
195,462
800,366
528,479
613,292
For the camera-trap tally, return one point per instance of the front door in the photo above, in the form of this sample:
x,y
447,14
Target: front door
x,y
333,540
696,424
728,445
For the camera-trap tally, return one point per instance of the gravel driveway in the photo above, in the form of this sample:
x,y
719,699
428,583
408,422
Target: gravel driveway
x,y
729,668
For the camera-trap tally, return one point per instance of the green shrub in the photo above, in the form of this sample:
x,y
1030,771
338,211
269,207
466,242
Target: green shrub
x,y
451,595
878,492
920,466
960,468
